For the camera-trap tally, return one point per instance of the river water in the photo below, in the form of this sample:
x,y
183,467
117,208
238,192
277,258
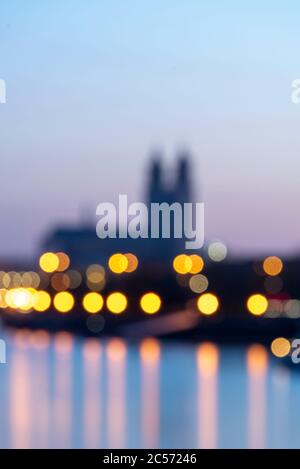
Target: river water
x,y
66,392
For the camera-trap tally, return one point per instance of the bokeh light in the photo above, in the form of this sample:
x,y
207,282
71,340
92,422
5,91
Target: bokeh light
x,y
63,261
49,262
16,280
95,277
75,278
198,283
95,273
280,347
182,264
116,302
60,281
20,298
6,280
257,304
208,303
197,264
30,279
292,308
44,280
272,265
3,303
92,302
217,251
275,308
41,301
63,302
132,262
118,263
150,303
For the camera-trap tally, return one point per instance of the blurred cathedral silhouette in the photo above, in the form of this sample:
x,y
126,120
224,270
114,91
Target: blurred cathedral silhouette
x,y
84,247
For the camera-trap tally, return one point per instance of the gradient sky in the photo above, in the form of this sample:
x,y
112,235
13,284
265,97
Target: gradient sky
x,y
93,85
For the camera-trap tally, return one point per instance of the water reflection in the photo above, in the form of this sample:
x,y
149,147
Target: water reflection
x,y
62,396
39,342
92,393
207,364
19,394
116,411
150,355
60,391
257,365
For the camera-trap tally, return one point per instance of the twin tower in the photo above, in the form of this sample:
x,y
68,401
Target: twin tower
x,y
169,186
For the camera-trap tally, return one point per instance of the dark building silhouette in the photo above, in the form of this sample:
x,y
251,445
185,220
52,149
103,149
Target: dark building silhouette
x,y
83,245
169,188
165,189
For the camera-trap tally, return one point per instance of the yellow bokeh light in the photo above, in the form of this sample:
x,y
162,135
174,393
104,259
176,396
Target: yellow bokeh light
x,y
41,300
19,298
280,347
63,302
49,262
150,303
23,299
257,304
272,265
92,302
132,262
116,302
182,264
118,263
208,303
197,264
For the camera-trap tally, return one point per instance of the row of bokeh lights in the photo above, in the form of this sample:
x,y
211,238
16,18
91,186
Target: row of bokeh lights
x,y
188,268
24,295
118,263
26,299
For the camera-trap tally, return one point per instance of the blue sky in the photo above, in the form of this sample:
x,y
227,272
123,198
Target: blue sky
x,y
92,86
